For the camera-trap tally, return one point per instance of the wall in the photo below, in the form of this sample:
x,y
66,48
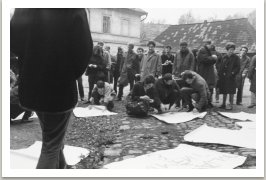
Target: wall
x,y
95,17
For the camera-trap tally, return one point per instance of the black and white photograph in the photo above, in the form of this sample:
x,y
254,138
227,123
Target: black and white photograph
x,y
134,89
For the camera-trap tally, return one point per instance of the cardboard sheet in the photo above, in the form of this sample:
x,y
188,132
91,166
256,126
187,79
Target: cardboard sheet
x,y
92,110
182,157
28,158
204,134
240,116
178,117
22,114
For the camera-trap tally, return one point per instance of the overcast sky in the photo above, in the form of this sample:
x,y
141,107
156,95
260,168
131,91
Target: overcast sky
x,y
172,15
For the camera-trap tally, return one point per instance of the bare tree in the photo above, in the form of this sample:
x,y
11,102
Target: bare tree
x,y
252,18
235,16
187,18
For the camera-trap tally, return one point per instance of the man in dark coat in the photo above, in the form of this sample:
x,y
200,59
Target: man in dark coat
x,y
129,69
117,66
140,54
229,68
54,46
146,91
198,90
252,79
169,91
241,76
167,61
206,61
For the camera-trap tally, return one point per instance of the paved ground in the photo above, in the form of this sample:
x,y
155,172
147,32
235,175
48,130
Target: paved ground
x,y
120,137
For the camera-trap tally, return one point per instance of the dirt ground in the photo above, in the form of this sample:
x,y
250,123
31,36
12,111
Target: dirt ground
x,y
119,137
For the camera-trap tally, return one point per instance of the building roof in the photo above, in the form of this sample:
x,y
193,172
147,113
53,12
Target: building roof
x,y
138,10
239,31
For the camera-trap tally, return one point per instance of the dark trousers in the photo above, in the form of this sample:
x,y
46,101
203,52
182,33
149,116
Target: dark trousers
x,y
80,88
173,97
96,96
16,110
115,83
92,81
188,94
121,88
240,92
54,127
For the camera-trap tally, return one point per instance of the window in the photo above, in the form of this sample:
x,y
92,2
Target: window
x,y
106,24
125,27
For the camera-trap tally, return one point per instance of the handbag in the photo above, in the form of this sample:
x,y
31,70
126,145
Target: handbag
x,y
138,108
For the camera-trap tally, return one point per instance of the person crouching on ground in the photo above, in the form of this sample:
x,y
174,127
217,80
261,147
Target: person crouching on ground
x,y
146,91
103,94
169,92
198,90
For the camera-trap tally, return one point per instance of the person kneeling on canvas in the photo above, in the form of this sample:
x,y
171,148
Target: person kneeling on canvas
x,y
169,92
103,94
198,90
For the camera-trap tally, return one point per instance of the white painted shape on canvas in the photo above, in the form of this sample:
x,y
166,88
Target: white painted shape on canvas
x,y
19,117
178,117
240,116
28,158
182,157
91,111
241,138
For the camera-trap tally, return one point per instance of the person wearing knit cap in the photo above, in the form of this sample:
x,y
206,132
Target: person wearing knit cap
x,y
151,63
169,92
241,76
184,60
206,62
229,68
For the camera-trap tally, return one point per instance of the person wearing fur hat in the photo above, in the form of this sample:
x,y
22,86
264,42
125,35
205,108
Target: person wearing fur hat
x,y
241,76
229,68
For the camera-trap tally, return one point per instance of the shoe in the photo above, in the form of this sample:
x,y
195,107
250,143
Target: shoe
x,y
82,99
190,108
222,106
230,107
210,105
252,105
239,103
87,102
26,120
118,99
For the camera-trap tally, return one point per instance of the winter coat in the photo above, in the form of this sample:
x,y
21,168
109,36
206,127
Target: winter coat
x,y
107,92
128,70
138,90
244,66
151,64
206,66
183,63
167,68
229,68
119,59
54,46
164,90
252,74
201,87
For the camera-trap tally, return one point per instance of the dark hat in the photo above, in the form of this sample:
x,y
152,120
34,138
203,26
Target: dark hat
x,y
209,42
100,43
244,47
151,42
183,43
168,47
100,84
167,77
230,45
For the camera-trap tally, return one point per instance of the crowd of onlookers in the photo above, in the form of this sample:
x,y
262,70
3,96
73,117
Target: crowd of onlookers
x,y
53,48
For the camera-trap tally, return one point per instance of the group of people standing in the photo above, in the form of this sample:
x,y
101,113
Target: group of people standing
x,y
226,73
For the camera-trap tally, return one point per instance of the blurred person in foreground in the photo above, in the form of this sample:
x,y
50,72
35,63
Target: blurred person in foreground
x,y
61,39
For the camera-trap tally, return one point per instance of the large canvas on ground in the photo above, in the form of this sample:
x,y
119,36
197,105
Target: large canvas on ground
x,y
28,158
91,111
245,137
240,116
178,117
182,157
